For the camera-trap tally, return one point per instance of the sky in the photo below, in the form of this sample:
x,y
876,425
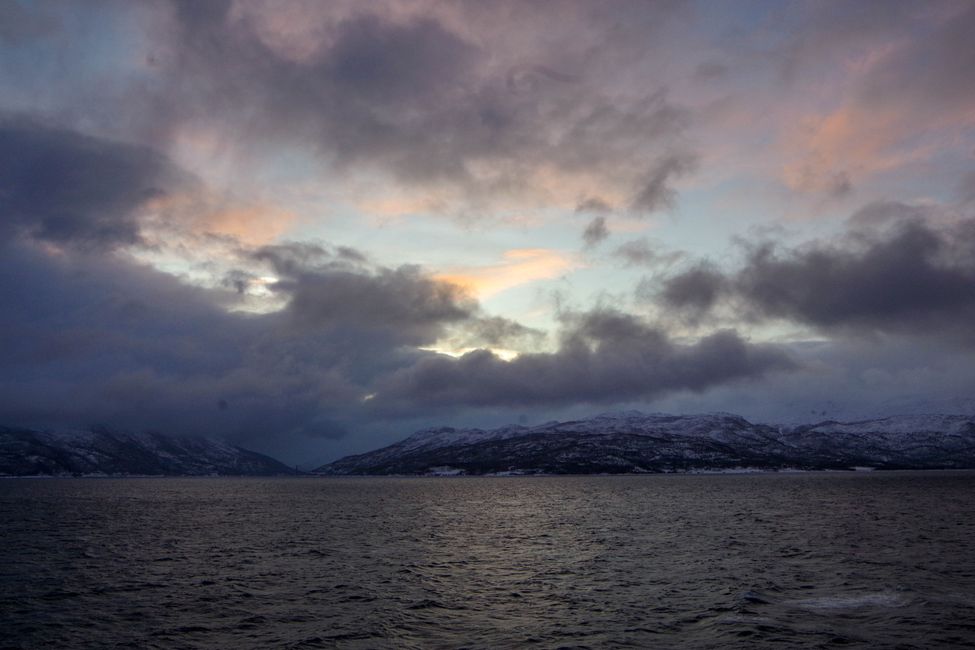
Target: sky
x,y
312,228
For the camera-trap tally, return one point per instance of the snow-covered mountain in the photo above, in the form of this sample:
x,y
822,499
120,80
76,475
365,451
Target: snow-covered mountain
x,y
24,452
636,442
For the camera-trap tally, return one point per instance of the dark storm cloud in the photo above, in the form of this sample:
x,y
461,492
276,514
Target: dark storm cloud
x,y
414,64
916,278
876,214
101,340
403,303
292,259
70,189
604,357
695,290
595,233
351,100
94,337
98,339
337,290
238,280
903,276
496,331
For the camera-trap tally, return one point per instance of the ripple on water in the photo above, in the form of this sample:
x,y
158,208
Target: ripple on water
x,y
880,599
655,561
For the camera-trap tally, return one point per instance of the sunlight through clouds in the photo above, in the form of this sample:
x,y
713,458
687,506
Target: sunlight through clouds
x,y
519,266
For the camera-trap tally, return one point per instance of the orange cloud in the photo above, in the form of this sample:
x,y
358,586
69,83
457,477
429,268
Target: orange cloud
x,y
864,138
830,152
401,205
520,266
252,223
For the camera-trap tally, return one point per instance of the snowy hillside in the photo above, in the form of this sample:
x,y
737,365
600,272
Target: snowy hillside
x,y
635,442
24,452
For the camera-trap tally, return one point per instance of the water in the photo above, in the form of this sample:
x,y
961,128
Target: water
x,y
869,560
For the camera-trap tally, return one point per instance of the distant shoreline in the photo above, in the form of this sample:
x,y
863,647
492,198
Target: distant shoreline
x,y
758,472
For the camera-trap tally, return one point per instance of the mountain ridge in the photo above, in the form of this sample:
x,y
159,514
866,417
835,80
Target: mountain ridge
x,y
102,451
634,442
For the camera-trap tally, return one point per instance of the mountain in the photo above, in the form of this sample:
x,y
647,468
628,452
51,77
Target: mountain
x,y
634,442
24,452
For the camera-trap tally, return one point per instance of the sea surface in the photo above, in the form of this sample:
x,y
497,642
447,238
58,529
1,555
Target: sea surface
x,y
879,560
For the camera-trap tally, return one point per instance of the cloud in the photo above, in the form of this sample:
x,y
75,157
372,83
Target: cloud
x,y
643,252
695,290
966,188
100,339
938,61
657,193
20,23
409,65
604,357
877,213
402,305
899,275
69,189
830,151
297,118
850,379
450,99
197,210
292,259
710,71
520,266
906,72
918,277
497,332
103,340
595,205
595,232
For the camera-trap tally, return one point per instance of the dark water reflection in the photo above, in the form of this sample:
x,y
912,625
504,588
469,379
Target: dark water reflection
x,y
658,561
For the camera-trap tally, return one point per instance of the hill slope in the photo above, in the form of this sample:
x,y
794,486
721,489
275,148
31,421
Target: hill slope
x,y
24,452
636,442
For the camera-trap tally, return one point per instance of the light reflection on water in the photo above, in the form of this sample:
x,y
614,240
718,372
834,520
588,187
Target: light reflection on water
x,y
696,561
